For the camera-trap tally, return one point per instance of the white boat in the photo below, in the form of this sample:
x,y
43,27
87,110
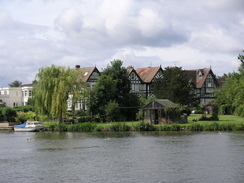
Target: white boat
x,y
29,126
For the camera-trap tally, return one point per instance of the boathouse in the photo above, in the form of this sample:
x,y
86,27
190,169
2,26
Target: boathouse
x,y
155,112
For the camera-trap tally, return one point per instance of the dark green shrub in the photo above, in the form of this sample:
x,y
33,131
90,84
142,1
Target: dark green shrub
x,y
82,127
119,127
9,114
144,127
196,127
198,111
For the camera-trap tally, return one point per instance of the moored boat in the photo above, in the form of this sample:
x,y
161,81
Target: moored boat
x,y
29,126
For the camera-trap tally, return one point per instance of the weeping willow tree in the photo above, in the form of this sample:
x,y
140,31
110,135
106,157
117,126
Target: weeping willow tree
x,y
55,85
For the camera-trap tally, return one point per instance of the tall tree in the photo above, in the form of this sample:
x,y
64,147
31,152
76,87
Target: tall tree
x,y
15,83
232,92
113,91
174,85
54,86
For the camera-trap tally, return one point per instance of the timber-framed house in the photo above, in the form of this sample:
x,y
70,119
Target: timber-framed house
x,y
148,76
204,83
136,83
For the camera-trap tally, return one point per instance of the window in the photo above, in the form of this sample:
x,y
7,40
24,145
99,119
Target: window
x,y
30,93
132,75
26,93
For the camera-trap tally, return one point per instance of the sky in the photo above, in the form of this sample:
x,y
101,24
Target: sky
x,y
185,33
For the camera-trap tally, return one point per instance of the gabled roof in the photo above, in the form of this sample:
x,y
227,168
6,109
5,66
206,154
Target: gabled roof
x,y
159,103
130,70
164,102
86,72
198,76
147,74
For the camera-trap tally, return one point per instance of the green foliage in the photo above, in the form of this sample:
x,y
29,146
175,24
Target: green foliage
x,y
25,108
15,83
240,110
80,127
58,127
174,112
112,111
54,86
198,111
20,117
119,127
2,104
226,109
174,85
9,113
112,93
30,115
232,92
144,127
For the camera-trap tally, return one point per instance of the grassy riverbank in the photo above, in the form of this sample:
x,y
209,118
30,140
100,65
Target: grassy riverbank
x,y
226,123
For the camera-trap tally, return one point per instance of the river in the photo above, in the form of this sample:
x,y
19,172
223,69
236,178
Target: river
x,y
131,157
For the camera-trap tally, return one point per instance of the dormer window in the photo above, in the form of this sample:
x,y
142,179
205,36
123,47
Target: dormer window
x,y
200,74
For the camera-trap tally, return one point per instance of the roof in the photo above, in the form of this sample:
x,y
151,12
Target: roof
x,y
164,102
147,74
159,102
221,81
129,69
194,78
86,72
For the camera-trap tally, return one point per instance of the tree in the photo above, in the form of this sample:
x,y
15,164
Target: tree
x,y
54,86
231,94
174,85
9,113
15,83
112,93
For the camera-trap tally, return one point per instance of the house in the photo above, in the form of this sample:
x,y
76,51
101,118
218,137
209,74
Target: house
x,y
204,83
26,93
137,85
155,112
11,96
89,75
147,76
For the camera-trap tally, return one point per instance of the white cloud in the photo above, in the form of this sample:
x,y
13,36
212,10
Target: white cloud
x,y
191,34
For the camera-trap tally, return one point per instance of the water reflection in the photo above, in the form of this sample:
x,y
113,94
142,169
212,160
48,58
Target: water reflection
x,y
122,157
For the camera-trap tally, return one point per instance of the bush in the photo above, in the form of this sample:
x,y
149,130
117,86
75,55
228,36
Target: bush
x,y
30,116
82,127
120,127
20,117
144,127
9,114
198,111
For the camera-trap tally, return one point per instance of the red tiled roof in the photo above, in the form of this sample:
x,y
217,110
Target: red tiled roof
x,y
195,79
147,74
86,73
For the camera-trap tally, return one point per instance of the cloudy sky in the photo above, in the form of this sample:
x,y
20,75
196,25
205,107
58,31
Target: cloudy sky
x,y
187,33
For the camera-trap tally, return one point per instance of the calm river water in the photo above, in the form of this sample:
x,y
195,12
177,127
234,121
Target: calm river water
x,y
147,157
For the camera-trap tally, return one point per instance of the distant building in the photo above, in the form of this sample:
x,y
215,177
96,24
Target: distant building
x,y
26,93
204,83
16,96
89,75
142,79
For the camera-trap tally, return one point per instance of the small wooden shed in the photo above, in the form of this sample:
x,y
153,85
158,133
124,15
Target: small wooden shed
x,y
154,112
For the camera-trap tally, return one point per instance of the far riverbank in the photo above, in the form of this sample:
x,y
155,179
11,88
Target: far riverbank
x,y
225,123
